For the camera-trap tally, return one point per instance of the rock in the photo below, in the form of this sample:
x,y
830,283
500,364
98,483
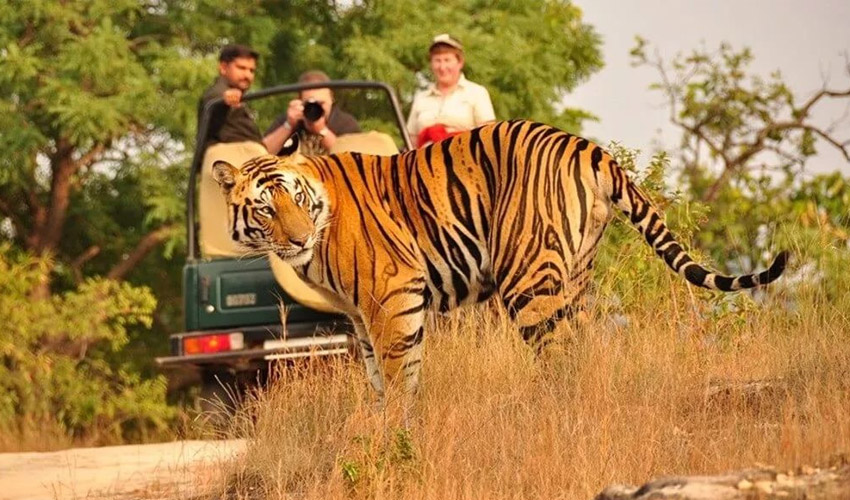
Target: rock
x,y
751,484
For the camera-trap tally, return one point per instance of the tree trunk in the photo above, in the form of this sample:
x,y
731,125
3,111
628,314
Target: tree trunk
x,y
64,167
49,222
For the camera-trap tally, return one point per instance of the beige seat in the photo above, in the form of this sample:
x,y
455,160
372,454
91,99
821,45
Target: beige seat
x,y
214,237
216,243
373,143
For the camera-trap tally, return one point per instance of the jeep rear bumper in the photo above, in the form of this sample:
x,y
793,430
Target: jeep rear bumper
x,y
264,343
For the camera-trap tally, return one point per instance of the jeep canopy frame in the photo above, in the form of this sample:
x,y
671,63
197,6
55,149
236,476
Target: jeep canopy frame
x,y
192,248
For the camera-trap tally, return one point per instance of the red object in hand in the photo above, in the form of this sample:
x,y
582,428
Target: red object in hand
x,y
434,133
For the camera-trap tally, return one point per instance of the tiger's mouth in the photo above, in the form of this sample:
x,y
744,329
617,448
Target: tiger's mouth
x,y
295,256
290,254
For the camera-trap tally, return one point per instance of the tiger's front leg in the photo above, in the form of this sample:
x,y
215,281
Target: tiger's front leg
x,y
367,352
396,328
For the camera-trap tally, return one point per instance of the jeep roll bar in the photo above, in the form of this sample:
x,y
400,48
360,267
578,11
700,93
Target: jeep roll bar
x,y
192,250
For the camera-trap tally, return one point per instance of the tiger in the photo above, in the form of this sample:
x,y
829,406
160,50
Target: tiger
x,y
514,208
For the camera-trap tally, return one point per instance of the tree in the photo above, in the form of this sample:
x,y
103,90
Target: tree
x,y
740,120
97,110
89,89
527,54
745,140
58,375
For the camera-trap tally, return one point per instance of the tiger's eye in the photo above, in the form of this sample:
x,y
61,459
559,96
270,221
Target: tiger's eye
x,y
267,211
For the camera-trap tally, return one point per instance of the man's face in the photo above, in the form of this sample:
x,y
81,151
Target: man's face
x,y
324,96
239,72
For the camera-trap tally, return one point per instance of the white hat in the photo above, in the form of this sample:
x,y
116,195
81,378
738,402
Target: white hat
x,y
445,39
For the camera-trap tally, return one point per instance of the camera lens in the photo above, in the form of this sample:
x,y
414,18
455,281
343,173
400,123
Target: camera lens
x,y
313,110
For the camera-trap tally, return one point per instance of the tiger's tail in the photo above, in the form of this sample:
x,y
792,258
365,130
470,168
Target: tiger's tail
x,y
645,217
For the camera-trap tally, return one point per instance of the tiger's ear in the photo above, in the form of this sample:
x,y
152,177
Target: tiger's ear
x,y
225,175
290,147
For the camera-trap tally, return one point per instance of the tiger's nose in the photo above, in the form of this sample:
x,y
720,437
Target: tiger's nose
x,y
299,241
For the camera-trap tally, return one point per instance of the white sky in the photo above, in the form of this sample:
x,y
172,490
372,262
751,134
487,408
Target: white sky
x,y
805,40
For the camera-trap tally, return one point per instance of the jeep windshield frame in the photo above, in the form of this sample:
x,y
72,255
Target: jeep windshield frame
x,y
192,248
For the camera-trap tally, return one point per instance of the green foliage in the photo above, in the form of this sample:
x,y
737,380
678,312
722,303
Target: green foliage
x,y
373,459
98,103
809,217
58,368
527,54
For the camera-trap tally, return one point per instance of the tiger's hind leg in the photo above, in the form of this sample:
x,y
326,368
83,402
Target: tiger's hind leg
x,y
537,334
537,316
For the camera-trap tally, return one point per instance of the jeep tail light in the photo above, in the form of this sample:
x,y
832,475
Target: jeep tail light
x,y
208,344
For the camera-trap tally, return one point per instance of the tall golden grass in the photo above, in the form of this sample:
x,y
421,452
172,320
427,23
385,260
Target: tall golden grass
x,y
660,391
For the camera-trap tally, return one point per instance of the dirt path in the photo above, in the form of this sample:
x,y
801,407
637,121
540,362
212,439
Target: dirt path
x,y
163,470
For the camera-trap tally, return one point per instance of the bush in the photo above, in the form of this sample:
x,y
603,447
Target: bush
x,y
61,372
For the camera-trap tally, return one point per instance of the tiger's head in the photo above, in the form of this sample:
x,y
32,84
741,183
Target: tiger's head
x,y
273,207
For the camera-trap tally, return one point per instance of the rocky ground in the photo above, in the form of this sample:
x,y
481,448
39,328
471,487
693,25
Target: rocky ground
x,y
832,483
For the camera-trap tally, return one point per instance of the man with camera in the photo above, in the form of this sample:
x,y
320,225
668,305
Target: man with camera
x,y
314,117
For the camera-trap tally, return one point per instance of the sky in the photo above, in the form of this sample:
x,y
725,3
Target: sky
x,y
804,40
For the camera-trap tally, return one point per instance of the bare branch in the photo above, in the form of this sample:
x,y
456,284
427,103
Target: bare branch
x,y
784,154
28,35
145,245
714,189
142,40
89,158
841,146
64,169
699,133
838,121
804,111
79,262
39,218
780,126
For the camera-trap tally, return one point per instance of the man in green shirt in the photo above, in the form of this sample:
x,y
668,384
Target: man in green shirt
x,y
232,136
231,121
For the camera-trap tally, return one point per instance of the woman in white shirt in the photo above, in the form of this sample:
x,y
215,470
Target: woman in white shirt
x,y
452,104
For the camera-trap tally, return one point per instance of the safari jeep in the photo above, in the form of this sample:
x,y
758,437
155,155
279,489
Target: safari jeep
x,y
234,325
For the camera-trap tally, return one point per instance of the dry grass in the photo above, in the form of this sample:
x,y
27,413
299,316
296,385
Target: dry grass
x,y
34,436
610,404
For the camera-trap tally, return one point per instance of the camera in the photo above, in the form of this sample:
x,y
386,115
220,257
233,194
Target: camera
x,y
313,110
